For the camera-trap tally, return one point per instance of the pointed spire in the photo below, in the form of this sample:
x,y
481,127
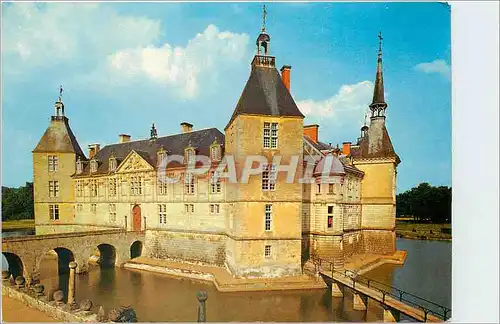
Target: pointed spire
x,y
264,15
378,91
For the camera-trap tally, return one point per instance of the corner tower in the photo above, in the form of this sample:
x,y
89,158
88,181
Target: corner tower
x,y
54,160
264,218
375,156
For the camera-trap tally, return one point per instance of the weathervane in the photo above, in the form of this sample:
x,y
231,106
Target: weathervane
x,y
264,14
60,92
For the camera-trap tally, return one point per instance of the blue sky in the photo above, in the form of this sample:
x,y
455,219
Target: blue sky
x,y
125,65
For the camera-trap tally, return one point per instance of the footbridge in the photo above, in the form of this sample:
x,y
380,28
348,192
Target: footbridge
x,y
24,254
394,301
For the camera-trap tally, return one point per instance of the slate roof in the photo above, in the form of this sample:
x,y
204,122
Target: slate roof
x,y
58,138
265,94
386,148
378,90
173,145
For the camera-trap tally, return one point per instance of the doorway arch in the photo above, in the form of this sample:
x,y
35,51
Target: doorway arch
x,y
136,218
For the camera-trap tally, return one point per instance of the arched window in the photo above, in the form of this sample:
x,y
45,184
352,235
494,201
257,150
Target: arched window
x,y
215,154
112,164
93,166
189,155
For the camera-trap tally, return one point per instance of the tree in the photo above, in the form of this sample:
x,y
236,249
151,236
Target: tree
x,y
17,203
425,203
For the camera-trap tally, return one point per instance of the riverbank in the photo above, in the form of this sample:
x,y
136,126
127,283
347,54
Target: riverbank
x,y
423,231
18,224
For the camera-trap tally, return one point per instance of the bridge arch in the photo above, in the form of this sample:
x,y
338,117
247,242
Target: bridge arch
x,y
107,255
15,264
136,249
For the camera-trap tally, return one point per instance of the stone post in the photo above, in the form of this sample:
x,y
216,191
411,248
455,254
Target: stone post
x,y
359,301
202,297
336,290
71,284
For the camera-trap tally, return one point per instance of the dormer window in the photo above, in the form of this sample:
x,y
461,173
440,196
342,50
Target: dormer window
x,y
215,154
112,164
160,156
93,166
189,155
79,166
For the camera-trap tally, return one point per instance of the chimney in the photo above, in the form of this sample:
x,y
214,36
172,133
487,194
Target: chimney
x,y
346,148
311,131
285,75
186,127
93,149
123,138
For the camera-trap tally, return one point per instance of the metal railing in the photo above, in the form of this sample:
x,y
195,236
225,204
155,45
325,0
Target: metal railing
x,y
427,306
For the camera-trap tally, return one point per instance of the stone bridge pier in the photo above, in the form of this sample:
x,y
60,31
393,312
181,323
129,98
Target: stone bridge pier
x,y
25,254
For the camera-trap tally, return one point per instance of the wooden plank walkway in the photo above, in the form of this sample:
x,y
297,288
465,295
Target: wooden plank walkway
x,y
384,297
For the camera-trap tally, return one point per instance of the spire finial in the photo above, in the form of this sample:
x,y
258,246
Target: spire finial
x,y
154,132
380,38
264,15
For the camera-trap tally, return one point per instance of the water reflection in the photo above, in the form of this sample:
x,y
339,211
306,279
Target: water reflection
x,y
156,297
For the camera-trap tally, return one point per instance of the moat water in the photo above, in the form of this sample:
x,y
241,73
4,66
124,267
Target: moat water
x,y
157,297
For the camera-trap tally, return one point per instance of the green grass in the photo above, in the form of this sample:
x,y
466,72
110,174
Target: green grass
x,y
18,224
423,230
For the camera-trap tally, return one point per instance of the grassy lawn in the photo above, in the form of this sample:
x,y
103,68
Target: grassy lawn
x,y
18,224
423,230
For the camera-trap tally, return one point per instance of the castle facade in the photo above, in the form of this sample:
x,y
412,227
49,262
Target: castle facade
x,y
267,226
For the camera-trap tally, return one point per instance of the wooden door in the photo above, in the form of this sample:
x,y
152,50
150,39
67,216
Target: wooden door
x,y
136,217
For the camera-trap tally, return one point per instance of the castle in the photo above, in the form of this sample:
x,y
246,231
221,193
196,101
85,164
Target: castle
x,y
268,226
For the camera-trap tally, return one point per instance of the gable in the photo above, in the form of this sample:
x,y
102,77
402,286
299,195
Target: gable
x,y
134,162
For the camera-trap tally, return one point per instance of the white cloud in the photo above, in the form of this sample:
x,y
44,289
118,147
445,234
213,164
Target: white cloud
x,y
436,66
37,34
180,67
95,46
350,99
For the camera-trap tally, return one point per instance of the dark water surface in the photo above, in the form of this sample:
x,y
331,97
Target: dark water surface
x,y
157,297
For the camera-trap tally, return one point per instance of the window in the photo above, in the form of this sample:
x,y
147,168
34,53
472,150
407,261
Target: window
x,y
53,189
215,185
214,208
330,216
162,187
269,177
53,163
319,187
112,164
94,188
162,213
215,152
160,155
189,208
79,208
112,187
136,186
271,135
79,166
93,166
93,208
54,212
190,158
79,189
267,251
268,217
330,188
112,213
189,183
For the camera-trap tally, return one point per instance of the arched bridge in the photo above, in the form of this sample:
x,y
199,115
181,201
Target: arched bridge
x,y
24,254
